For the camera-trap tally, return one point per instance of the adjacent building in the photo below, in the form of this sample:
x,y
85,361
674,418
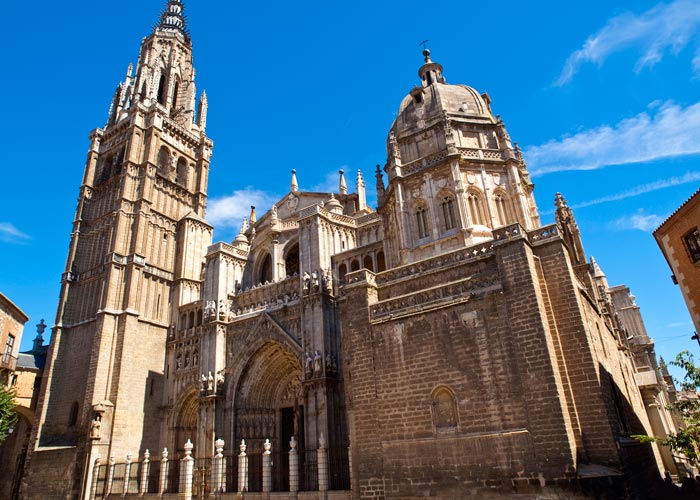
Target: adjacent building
x,y
446,344
679,240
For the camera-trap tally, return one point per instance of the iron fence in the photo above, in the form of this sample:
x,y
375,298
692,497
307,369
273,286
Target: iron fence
x,y
308,470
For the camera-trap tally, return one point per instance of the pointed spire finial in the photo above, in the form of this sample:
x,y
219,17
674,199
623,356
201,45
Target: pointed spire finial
x,y
342,186
294,186
253,217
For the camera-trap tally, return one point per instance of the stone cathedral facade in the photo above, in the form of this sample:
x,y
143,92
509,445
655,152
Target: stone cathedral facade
x,y
446,344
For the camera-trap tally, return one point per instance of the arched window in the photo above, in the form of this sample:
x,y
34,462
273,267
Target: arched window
x,y
422,222
163,159
368,264
73,415
190,322
476,210
355,265
266,270
176,90
500,200
381,262
342,271
199,317
444,410
187,359
182,171
448,213
161,90
291,261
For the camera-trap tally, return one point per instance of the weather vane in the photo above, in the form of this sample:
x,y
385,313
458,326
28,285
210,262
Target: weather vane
x,y
424,43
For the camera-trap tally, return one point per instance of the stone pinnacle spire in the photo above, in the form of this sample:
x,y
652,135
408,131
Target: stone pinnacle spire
x,y
294,185
173,18
342,186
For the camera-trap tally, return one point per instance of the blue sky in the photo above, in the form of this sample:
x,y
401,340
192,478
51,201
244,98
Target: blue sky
x,y
602,96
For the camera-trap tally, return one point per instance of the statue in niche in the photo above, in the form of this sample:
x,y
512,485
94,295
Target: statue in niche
x,y
209,309
220,380
223,308
210,383
308,365
317,363
328,280
445,410
203,383
95,427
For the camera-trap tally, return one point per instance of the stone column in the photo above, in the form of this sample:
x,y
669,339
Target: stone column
x,y
293,467
322,464
95,476
218,468
145,471
267,467
242,469
163,480
127,474
186,471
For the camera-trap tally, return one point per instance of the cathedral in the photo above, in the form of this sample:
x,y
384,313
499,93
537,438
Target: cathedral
x,y
445,344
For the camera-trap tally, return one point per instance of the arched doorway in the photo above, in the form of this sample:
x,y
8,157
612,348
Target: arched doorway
x,y
186,423
269,405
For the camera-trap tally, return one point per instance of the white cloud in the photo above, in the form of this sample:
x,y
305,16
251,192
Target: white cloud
x,y
11,234
228,211
663,28
663,131
638,221
643,189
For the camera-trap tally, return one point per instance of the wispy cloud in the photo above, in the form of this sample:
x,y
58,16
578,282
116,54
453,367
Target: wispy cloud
x,y
10,234
664,130
643,189
663,28
640,221
228,211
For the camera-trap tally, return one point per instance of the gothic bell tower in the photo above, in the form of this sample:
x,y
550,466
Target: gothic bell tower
x,y
136,254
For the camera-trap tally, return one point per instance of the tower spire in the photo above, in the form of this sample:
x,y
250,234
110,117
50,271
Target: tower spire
x,y
173,18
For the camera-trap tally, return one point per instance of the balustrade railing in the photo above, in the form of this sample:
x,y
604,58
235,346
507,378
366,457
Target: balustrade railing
x,y
269,471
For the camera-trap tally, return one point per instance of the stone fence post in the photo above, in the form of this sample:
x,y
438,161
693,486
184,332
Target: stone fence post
x,y
242,469
110,476
187,471
127,475
267,467
163,479
95,476
322,464
145,471
293,467
218,468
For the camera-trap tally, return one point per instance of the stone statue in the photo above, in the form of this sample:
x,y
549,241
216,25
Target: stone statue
x,y
220,380
273,211
209,309
309,364
95,427
328,280
210,383
307,281
317,362
203,383
223,308
314,280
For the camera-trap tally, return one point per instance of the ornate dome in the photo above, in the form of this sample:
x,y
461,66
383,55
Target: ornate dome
x,y
435,99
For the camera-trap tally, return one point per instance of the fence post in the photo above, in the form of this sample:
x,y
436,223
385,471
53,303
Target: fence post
x,y
186,471
293,467
95,477
127,474
110,476
242,469
267,467
145,471
163,480
218,466
322,464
